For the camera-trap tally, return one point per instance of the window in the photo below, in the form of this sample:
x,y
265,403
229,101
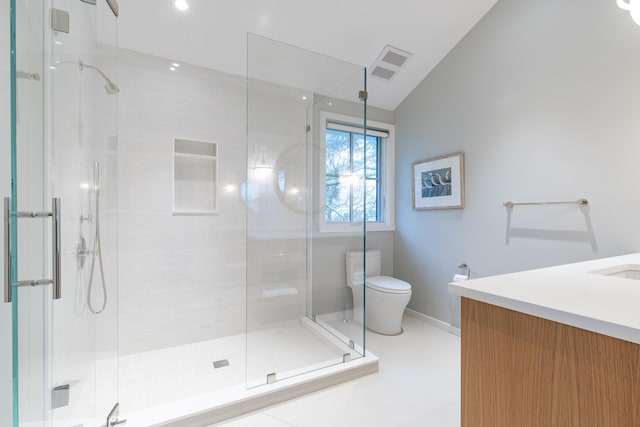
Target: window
x,y
357,174
349,198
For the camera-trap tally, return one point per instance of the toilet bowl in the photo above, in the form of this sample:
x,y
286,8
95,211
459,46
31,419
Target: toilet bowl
x,y
386,297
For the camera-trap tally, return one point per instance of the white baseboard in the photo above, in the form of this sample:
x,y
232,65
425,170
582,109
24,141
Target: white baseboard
x,y
454,330
433,321
339,315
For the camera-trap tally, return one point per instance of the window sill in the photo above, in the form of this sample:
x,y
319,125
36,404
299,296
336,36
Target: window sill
x,y
351,230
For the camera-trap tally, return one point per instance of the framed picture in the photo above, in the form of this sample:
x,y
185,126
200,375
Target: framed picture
x,y
438,183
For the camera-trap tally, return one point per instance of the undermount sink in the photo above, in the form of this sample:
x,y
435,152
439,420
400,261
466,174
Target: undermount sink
x,y
625,271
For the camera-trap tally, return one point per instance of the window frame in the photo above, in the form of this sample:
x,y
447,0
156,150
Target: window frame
x,y
386,175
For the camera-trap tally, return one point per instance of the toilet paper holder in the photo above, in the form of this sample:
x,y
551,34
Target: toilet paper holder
x,y
466,268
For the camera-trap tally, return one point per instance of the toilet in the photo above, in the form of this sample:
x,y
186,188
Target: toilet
x,y
386,297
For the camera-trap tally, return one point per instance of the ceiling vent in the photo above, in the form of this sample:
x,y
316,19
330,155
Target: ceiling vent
x,y
388,63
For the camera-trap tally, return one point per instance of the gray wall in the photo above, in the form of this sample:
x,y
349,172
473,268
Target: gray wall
x,y
543,98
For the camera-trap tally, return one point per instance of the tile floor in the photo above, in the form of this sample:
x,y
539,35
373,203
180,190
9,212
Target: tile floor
x,y
418,385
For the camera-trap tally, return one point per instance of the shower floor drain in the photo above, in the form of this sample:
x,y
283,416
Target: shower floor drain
x,y
221,363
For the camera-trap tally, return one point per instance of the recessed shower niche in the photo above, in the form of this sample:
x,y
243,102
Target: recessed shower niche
x,y
195,177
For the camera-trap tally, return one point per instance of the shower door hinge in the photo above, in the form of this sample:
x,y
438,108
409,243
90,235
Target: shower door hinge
x,y
113,5
59,20
271,378
60,396
28,76
363,95
112,418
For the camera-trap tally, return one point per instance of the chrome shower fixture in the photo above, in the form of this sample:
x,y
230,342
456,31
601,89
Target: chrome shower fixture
x,y
110,87
82,249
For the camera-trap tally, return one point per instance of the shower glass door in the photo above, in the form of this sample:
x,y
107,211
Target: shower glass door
x,y
286,87
82,131
59,339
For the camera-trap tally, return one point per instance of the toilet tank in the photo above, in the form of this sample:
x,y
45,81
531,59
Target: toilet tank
x,y
355,266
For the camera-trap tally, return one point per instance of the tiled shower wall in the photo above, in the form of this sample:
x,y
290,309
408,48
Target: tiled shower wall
x,y
182,278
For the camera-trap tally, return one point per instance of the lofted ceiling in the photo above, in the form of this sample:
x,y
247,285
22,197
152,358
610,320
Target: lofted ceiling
x,y
213,33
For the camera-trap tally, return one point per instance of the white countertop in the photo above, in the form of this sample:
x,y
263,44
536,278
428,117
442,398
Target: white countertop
x,y
568,294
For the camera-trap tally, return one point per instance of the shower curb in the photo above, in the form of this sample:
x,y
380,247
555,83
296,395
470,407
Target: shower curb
x,y
361,367
203,411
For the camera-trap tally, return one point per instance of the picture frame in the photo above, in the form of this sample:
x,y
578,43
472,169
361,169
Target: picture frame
x,y
438,183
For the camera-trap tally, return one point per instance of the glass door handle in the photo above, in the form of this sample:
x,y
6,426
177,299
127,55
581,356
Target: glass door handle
x,y
56,243
56,250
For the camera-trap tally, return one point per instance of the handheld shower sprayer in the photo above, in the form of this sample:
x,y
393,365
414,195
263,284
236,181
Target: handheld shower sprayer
x,y
96,179
97,247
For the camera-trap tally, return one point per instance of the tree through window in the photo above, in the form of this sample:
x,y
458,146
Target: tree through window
x,y
352,176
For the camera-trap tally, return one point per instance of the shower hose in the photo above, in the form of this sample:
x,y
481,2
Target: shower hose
x,y
97,253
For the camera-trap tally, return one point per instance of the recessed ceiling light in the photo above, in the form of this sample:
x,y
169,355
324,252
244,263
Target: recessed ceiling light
x,y
175,64
181,5
172,68
58,42
330,104
52,67
304,97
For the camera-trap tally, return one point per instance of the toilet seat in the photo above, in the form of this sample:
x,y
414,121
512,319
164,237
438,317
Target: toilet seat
x,y
389,285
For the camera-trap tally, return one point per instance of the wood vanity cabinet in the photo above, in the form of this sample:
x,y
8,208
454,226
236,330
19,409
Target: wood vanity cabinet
x,y
521,370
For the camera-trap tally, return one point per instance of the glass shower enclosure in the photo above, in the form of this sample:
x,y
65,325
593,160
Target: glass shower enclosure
x,y
289,309
159,258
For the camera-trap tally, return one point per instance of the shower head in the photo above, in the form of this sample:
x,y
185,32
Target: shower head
x,y
110,87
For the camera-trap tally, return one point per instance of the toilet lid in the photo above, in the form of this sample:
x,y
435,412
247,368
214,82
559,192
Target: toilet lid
x,y
388,284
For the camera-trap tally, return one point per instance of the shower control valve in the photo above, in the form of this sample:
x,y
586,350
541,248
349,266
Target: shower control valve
x,y
82,252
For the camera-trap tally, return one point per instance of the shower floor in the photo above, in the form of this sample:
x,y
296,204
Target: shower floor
x,y
151,382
